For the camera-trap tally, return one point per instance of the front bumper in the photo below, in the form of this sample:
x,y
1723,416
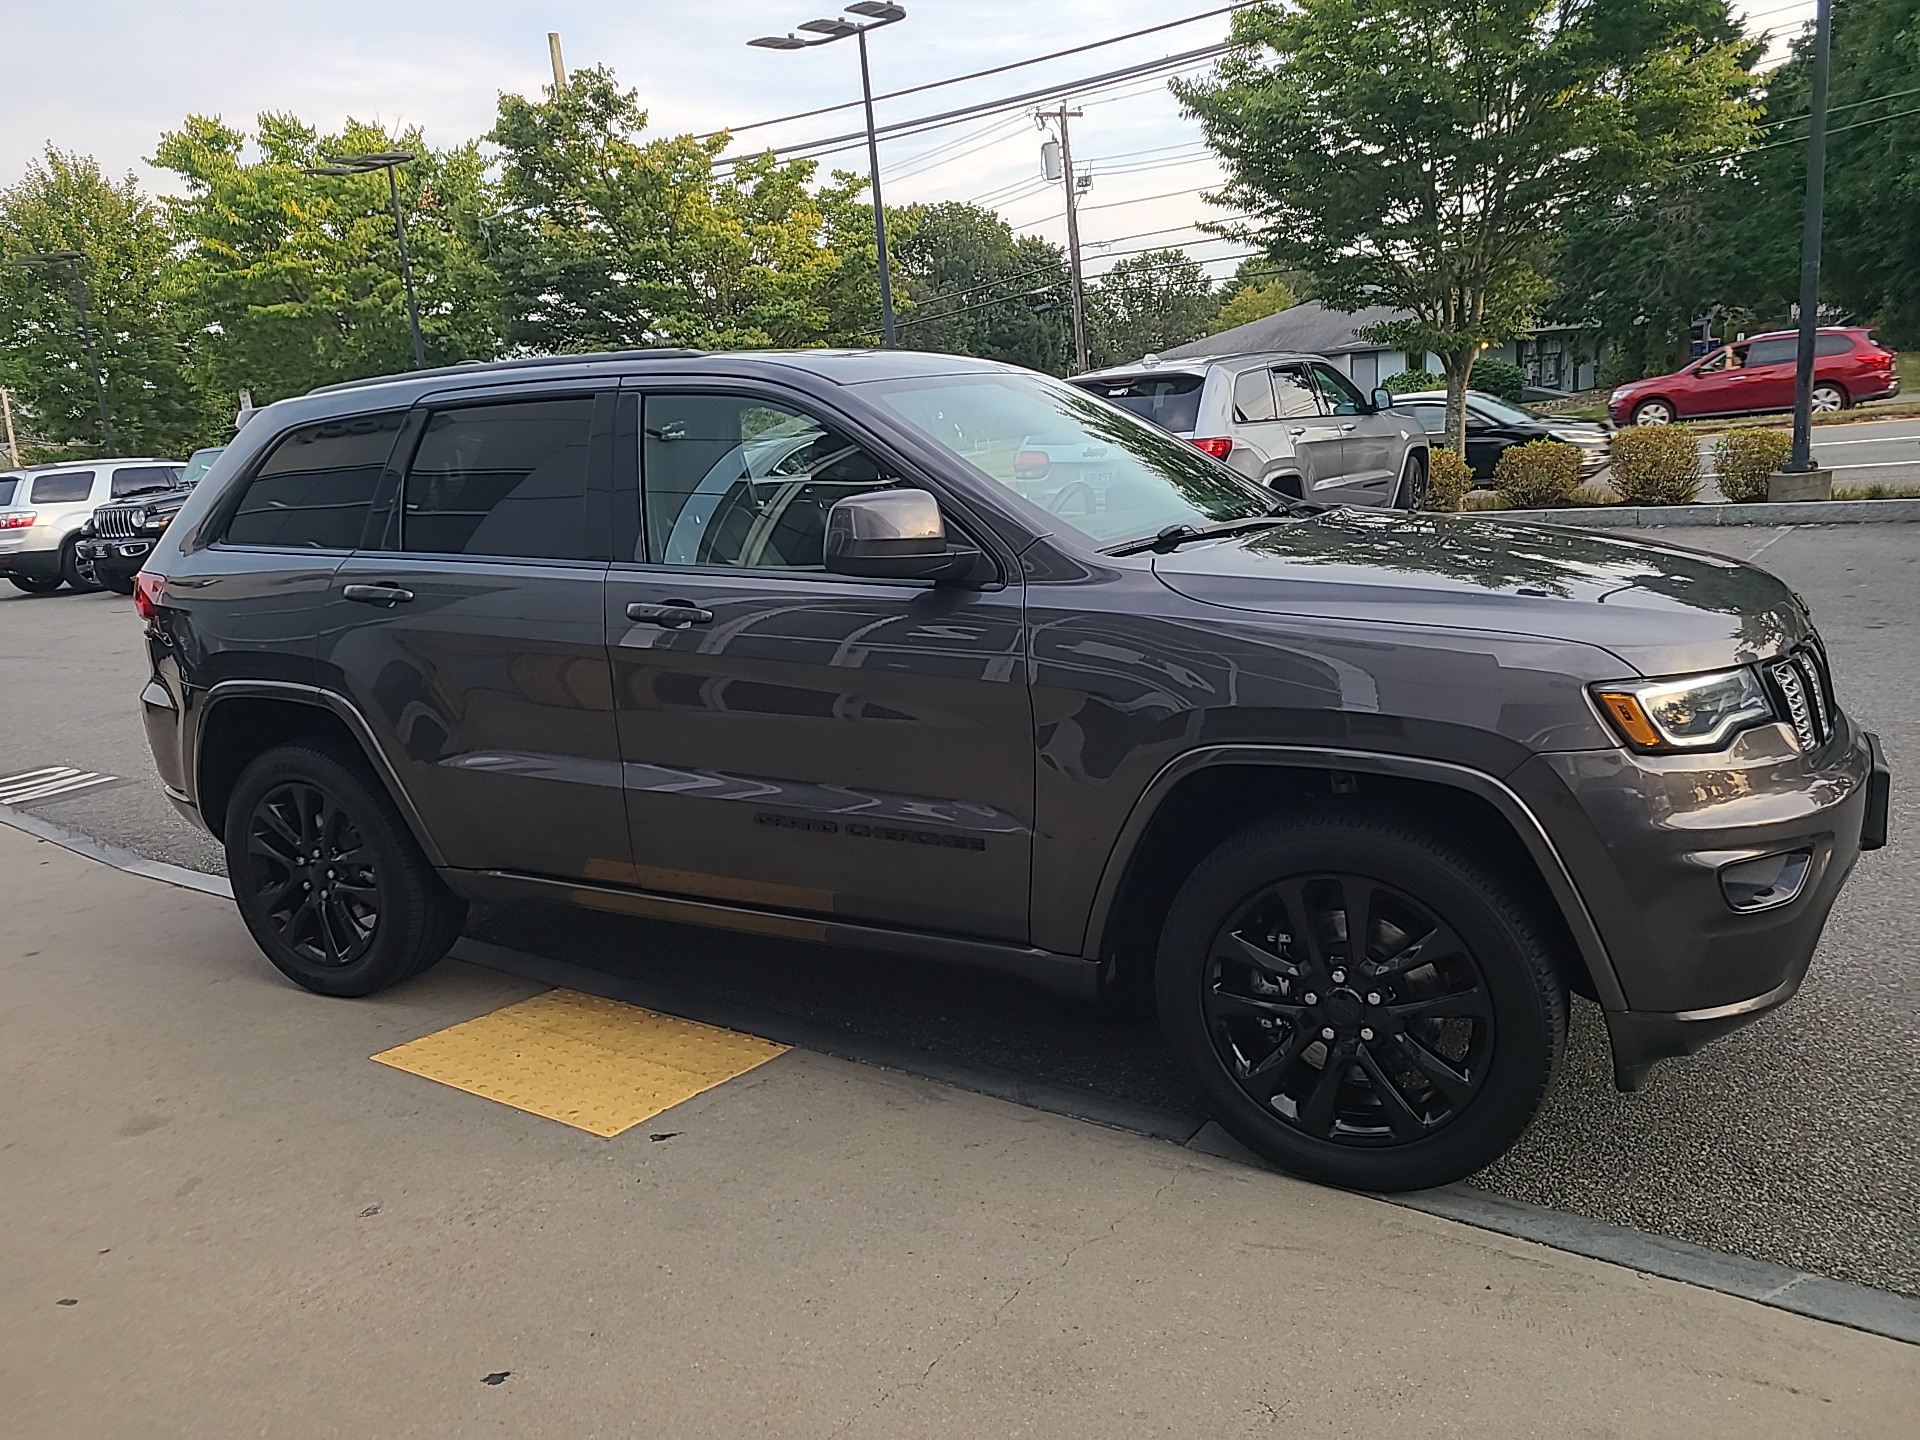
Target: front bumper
x,y
116,557
1647,839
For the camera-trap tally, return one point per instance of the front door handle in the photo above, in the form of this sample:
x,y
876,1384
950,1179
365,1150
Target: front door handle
x,y
1296,430
1351,425
388,595
674,615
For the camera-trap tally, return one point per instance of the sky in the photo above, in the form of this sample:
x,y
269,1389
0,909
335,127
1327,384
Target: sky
x,y
106,77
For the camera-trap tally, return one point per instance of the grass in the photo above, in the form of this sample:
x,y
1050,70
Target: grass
x,y
1876,492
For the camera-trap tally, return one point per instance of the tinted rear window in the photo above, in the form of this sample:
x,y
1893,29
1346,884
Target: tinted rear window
x,y
1833,345
1771,352
1170,401
509,480
6,491
66,487
314,490
144,479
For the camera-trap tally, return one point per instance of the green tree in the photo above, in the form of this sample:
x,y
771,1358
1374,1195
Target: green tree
x,y
1424,154
1147,303
294,279
157,394
1252,301
976,289
606,239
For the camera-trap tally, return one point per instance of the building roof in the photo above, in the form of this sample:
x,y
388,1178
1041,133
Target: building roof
x,y
1308,326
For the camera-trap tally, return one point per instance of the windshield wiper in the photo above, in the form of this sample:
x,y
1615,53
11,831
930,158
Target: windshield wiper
x,y
1174,536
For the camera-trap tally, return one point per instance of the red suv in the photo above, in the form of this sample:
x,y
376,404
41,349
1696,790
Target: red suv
x,y
1757,374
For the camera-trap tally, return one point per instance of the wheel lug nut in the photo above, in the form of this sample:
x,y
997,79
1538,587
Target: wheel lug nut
x,y
1365,1034
1327,1034
306,885
1339,977
1311,998
1373,997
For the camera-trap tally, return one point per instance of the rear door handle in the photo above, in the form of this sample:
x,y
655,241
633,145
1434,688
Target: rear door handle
x,y
388,595
675,615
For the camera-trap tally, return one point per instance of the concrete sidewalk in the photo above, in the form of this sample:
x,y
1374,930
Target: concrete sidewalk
x,y
264,1233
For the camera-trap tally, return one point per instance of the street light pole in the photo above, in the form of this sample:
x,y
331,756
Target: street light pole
x,y
75,259
880,14
1801,461
387,160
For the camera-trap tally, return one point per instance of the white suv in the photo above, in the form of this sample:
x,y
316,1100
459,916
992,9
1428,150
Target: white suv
x,y
43,507
1292,422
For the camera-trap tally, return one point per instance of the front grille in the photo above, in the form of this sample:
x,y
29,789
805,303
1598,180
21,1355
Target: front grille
x,y
1805,691
114,522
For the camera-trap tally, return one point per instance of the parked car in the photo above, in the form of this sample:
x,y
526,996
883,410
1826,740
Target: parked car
x,y
1357,796
43,507
1292,422
1493,424
116,540
1757,375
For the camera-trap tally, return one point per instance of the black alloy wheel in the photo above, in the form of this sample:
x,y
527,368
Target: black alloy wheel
x,y
328,877
313,875
1364,1003
77,570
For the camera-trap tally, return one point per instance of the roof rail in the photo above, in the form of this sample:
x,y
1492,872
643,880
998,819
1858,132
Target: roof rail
x,y
523,362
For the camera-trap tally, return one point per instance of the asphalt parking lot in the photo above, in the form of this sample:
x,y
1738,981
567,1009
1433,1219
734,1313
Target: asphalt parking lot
x,y
1789,1141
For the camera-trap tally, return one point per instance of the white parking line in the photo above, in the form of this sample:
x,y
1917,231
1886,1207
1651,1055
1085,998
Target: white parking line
x,y
49,781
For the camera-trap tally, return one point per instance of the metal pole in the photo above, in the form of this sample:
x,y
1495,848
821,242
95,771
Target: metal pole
x,y
93,358
559,65
406,272
1801,461
879,206
1073,242
13,445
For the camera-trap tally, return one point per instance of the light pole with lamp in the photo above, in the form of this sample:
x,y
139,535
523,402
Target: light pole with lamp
x,y
878,15
386,160
76,260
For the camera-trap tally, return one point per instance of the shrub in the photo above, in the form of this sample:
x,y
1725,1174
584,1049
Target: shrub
x,y
1745,458
1656,465
1498,377
1408,381
1483,500
1448,478
1538,474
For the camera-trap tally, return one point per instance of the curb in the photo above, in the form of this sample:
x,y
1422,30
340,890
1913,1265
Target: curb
x,y
1838,1302
1648,517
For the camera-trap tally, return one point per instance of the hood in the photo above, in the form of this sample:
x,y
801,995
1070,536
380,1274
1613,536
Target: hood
x,y
1661,609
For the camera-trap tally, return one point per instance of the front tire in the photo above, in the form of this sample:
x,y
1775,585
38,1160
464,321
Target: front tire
x,y
1653,412
77,571
1411,1058
328,878
1410,492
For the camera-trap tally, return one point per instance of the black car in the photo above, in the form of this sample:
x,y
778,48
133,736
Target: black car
x,y
774,642
1493,424
120,536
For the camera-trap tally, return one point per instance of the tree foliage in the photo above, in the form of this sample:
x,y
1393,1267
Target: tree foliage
x,y
977,289
1148,303
1424,154
156,398
1252,301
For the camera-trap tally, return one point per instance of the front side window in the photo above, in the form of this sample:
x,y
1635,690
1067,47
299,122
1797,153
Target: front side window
x,y
509,480
144,479
1338,391
67,487
314,489
736,481
1099,470
1294,393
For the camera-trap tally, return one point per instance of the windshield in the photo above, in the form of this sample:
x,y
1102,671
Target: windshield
x,y
1096,469
199,463
1499,410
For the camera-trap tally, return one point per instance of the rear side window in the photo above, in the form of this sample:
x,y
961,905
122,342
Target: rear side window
x,y
1170,401
1771,352
508,480
6,491
1253,398
144,479
65,488
1832,345
314,489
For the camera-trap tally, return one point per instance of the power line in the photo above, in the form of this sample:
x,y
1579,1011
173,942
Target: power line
x,y
983,74
1836,109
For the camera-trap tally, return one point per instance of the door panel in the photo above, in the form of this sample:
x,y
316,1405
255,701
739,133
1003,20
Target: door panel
x,y
1313,433
1365,478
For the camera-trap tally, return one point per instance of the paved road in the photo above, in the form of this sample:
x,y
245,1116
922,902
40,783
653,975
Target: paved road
x,y
1789,1141
222,1220
1884,452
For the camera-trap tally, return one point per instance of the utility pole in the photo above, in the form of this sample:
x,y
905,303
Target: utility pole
x,y
1801,461
13,445
1078,289
559,65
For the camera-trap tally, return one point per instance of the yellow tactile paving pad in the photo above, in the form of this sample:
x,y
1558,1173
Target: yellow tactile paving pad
x,y
595,1064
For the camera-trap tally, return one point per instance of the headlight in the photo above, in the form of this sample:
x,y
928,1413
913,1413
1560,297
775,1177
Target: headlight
x,y
1620,394
1701,712
139,519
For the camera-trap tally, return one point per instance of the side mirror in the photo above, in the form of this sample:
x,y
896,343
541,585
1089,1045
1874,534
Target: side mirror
x,y
1382,398
892,535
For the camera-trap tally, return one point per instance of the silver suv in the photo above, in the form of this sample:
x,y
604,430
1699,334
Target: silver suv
x,y
43,507
1290,421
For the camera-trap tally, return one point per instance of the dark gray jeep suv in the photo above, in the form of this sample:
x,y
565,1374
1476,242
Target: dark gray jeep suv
x,y
785,643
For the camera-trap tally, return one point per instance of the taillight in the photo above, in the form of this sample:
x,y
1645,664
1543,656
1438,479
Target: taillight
x,y
18,520
1031,464
149,591
1219,446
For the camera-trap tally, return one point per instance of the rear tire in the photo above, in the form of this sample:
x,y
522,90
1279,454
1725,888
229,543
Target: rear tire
x,y
1828,398
36,584
1447,1021
328,878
